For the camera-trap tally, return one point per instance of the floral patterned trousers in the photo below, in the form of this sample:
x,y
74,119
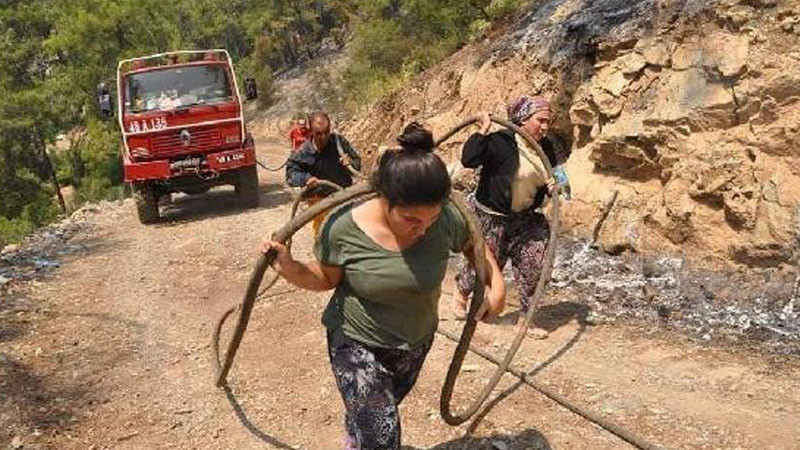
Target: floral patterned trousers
x,y
522,238
373,381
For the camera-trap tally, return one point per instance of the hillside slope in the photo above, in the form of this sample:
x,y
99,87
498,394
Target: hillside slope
x,y
689,109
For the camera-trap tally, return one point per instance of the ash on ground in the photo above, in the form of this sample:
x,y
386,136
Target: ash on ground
x,y
44,250
748,306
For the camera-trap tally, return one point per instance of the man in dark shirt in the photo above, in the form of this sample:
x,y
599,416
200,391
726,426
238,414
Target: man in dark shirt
x,y
324,156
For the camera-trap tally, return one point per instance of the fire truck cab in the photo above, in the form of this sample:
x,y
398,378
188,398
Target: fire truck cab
x,y
183,128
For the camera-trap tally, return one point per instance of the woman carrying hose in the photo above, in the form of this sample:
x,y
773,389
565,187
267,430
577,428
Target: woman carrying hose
x,y
386,259
510,190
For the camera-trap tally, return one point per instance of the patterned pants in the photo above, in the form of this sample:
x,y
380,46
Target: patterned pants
x,y
520,237
373,381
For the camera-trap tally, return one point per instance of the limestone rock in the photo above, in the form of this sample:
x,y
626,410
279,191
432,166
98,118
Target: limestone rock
x,y
780,137
783,85
739,15
612,79
621,154
538,334
632,63
730,53
582,113
724,52
677,200
690,97
740,207
688,113
621,229
657,54
607,103
761,254
9,249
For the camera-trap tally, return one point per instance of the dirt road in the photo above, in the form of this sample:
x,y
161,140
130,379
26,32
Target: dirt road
x,y
111,350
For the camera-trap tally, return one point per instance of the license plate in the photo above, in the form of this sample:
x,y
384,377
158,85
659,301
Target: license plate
x,y
230,157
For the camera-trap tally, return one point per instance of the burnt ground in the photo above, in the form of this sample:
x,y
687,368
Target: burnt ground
x,y
755,308
105,329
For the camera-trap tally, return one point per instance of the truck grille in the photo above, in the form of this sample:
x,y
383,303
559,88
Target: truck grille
x,y
202,139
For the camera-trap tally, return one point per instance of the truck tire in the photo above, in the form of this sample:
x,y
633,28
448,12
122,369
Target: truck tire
x,y
247,187
146,203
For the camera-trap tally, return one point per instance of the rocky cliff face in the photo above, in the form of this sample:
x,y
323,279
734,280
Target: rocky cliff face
x,y
689,109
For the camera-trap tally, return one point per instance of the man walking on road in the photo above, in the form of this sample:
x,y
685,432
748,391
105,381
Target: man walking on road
x,y
319,159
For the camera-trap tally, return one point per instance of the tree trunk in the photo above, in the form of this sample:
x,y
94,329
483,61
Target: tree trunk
x,y
51,170
55,181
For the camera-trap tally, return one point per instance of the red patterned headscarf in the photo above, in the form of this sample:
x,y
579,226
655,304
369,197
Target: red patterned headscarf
x,y
524,107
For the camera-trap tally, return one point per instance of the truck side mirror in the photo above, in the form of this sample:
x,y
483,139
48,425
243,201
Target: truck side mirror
x,y
104,103
250,89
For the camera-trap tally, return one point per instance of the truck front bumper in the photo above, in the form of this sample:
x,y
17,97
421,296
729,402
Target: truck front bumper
x,y
208,165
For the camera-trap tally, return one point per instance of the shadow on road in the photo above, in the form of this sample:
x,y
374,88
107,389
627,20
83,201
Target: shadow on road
x,y
550,318
526,440
219,202
251,427
32,400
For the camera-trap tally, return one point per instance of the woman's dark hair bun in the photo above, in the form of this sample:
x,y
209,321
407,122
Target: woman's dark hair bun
x,y
416,137
413,175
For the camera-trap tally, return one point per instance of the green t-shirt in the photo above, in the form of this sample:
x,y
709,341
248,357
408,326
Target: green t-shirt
x,y
387,299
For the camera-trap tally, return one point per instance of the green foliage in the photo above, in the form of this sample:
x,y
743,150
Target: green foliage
x,y
12,230
498,9
99,154
54,53
394,40
265,84
381,43
27,118
38,211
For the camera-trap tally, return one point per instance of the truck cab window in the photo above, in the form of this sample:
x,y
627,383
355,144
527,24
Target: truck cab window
x,y
166,89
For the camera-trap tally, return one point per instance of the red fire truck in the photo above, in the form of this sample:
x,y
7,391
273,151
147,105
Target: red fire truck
x,y
183,128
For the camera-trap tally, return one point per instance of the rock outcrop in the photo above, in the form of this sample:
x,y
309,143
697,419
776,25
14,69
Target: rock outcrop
x,y
689,109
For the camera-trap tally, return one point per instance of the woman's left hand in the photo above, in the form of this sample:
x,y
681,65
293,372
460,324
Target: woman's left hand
x,y
494,300
495,295
488,308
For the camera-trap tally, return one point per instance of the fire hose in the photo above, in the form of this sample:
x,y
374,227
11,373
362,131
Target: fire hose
x,y
272,169
339,150
362,190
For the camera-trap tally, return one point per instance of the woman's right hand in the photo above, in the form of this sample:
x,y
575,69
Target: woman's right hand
x,y
283,256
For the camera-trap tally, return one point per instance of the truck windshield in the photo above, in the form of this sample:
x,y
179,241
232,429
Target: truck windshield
x,y
168,89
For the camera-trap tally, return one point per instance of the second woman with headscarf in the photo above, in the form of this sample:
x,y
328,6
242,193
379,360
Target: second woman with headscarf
x,y
511,189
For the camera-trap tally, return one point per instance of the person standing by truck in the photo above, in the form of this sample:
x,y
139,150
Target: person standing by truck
x,y
298,133
319,159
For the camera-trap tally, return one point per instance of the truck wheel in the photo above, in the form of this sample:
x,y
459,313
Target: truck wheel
x,y
247,187
146,203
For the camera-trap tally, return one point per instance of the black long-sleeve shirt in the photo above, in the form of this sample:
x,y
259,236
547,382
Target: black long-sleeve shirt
x,y
323,164
498,155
